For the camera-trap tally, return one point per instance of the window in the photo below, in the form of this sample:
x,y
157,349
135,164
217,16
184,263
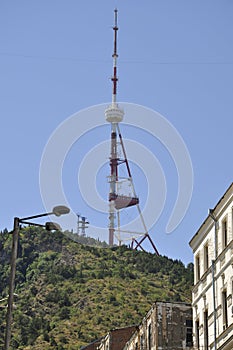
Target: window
x,y
224,311
141,342
197,334
206,256
189,333
198,274
206,329
224,233
149,337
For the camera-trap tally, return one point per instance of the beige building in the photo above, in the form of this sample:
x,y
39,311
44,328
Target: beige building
x,y
212,247
116,338
167,326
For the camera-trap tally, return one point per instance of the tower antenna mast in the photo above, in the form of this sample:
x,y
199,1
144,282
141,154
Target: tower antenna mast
x,y
114,115
115,56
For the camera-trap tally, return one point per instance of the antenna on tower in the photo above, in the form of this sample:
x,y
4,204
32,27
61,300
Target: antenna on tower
x,y
117,201
115,55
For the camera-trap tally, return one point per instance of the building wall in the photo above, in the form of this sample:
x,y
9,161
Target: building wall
x,y
92,346
213,261
116,339
165,327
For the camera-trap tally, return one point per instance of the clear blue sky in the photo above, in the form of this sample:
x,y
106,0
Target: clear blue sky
x,y
175,57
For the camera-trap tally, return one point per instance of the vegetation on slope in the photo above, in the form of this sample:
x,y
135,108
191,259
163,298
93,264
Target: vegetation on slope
x,y
70,294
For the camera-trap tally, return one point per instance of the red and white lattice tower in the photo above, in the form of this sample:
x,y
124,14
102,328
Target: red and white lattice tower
x,y
118,201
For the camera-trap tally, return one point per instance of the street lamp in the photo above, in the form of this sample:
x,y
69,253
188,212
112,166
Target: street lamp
x,y
58,210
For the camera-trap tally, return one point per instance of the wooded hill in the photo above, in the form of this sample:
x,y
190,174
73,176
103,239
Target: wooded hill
x,y
70,294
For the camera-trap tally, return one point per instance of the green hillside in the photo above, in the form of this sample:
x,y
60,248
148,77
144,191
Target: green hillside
x,y
70,294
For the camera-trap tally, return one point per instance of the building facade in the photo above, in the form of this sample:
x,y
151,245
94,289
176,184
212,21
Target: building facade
x,y
92,346
116,338
212,247
167,326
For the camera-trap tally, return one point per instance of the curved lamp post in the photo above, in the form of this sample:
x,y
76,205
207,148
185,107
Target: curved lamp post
x,y
50,226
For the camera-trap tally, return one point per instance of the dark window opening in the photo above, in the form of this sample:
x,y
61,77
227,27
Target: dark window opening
x,y
224,234
197,335
141,342
198,274
224,306
206,335
149,337
189,333
206,257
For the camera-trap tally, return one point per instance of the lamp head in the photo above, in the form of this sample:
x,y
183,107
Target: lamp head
x,y
60,210
52,226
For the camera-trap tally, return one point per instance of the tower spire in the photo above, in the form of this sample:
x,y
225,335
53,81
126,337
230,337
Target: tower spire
x,y
115,56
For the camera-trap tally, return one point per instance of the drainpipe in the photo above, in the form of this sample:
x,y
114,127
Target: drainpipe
x,y
213,217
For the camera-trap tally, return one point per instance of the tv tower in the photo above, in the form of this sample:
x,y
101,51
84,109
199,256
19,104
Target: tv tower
x,y
114,115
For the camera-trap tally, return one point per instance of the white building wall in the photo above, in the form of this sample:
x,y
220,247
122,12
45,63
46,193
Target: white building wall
x,y
220,257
